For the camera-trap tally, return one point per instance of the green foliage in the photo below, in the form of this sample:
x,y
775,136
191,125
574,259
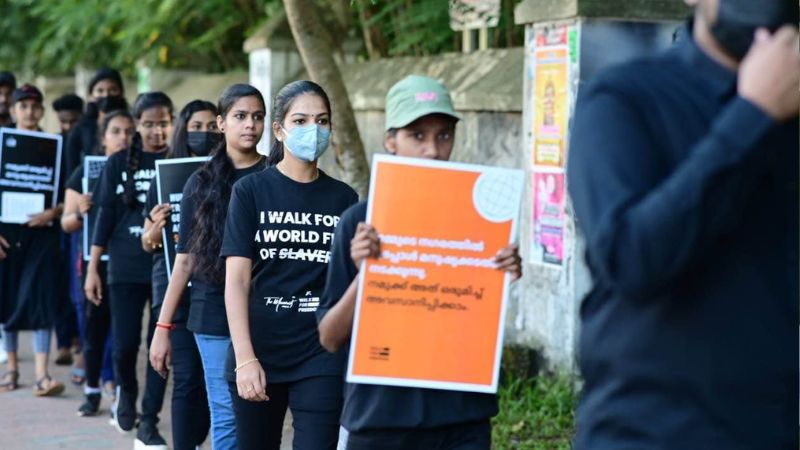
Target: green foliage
x,y
53,36
535,414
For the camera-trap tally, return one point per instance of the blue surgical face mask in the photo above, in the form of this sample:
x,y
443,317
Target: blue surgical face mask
x,y
307,143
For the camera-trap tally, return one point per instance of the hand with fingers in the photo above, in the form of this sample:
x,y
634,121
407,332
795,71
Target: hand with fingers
x,y
4,245
161,352
508,260
769,75
365,244
44,218
93,287
251,381
159,216
85,204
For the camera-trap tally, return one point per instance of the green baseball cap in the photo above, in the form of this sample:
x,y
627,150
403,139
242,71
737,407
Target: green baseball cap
x,y
415,96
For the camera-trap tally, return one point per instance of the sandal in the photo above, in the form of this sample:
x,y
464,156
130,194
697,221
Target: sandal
x,y
10,381
53,387
78,376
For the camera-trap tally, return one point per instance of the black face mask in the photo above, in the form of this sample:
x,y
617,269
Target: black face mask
x,y
201,143
737,21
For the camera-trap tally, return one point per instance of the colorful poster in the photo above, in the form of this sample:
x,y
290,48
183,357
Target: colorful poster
x,y
431,310
551,94
548,217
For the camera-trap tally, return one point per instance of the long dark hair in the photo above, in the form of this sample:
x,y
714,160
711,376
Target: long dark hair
x,y
143,103
283,101
179,149
213,194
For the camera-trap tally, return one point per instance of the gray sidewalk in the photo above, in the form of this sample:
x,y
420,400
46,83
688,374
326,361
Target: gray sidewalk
x,y
31,423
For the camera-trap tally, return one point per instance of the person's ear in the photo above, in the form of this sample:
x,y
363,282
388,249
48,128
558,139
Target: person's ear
x,y
220,124
277,131
390,142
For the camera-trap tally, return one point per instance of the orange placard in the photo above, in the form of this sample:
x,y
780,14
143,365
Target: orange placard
x,y
431,309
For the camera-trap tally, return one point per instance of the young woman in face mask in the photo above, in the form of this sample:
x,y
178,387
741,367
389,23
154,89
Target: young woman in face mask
x,y
277,241
116,134
205,205
120,194
195,132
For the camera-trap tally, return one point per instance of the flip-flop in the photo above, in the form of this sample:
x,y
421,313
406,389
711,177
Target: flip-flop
x,y
77,376
10,381
53,388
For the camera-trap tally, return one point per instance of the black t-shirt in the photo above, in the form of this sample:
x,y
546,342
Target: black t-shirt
x,y
286,228
207,313
159,276
370,407
75,180
119,226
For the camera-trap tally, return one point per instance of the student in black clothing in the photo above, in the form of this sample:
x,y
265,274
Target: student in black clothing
x,y
30,276
121,193
420,123
7,85
105,83
277,240
683,176
190,415
204,206
117,130
69,109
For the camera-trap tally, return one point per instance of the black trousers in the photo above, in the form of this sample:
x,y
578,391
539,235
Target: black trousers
x,y
462,436
190,416
127,302
316,405
98,325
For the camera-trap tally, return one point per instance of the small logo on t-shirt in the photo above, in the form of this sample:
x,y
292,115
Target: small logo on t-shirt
x,y
279,303
308,303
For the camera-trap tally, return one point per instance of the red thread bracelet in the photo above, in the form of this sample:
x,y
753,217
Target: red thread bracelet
x,y
166,326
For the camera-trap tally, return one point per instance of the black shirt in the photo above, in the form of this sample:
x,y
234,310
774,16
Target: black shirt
x,y
75,180
286,228
207,313
119,226
82,139
687,195
372,407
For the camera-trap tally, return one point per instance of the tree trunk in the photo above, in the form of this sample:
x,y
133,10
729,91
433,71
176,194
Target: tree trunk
x,y
374,39
316,50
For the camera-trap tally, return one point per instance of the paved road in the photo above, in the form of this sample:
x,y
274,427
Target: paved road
x,y
30,423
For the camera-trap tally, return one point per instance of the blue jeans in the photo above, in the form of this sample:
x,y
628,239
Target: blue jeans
x,y
41,341
213,351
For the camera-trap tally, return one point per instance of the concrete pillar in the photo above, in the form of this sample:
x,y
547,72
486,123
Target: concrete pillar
x,y
566,43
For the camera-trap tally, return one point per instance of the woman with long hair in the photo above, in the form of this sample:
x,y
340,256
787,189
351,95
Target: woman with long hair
x,y
121,193
277,243
204,206
195,134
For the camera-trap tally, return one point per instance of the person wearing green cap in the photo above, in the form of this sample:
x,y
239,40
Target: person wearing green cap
x,y
420,123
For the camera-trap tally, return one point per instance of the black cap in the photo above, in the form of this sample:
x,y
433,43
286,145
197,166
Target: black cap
x,y
27,92
8,79
68,102
106,73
